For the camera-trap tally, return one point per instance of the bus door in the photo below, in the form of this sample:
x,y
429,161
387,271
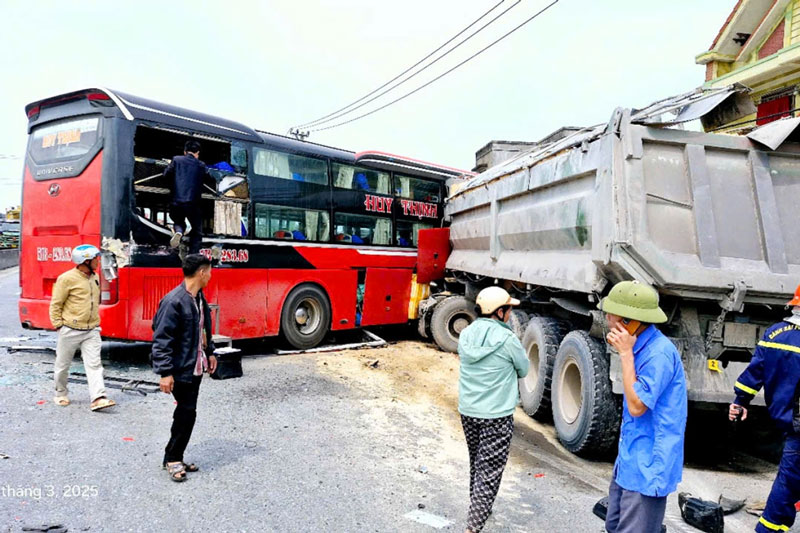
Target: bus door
x,y
386,296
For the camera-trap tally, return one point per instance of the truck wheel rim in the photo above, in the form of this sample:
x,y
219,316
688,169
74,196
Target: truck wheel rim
x,y
458,323
533,374
570,397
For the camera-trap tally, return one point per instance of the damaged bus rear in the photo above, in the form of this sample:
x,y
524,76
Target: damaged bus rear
x,y
67,179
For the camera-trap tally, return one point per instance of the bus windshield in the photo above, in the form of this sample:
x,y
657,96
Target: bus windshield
x,y
64,140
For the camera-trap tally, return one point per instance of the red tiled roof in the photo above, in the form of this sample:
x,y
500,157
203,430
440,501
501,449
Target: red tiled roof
x,y
728,21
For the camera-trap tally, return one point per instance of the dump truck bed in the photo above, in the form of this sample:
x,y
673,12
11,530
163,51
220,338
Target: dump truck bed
x,y
692,213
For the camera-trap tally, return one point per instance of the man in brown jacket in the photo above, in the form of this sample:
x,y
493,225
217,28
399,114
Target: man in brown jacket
x,y
74,312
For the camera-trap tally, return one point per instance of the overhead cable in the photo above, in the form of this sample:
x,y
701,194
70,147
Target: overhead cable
x,y
470,58
331,116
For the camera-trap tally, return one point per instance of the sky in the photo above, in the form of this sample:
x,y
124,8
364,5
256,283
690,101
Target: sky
x,y
276,64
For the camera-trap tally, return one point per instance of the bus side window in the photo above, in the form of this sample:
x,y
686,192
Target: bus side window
x,y
291,223
362,229
360,179
290,166
416,189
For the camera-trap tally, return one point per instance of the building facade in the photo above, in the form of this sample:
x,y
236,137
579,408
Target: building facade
x,y
758,46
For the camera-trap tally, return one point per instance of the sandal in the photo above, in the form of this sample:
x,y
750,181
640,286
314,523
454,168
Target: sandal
x,y
102,403
177,472
63,401
191,467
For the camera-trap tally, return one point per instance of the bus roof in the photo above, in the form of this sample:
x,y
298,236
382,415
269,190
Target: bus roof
x,y
399,163
296,145
135,107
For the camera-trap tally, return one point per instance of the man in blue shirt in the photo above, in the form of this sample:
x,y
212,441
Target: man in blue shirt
x,y
775,365
650,458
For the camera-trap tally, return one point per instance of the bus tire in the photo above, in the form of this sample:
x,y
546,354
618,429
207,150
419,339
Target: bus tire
x,y
586,413
305,317
517,321
541,339
449,318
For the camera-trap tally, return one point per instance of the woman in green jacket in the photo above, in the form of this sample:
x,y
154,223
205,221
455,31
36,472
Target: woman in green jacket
x,y
492,360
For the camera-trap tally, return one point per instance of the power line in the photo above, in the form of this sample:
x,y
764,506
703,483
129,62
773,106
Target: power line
x,y
322,119
339,115
470,58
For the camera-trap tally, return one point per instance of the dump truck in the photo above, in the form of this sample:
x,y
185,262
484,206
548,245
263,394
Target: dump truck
x,y
710,220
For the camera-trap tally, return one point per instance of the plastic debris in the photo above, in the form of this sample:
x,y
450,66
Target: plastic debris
x,y
422,469
41,402
50,528
704,515
372,364
127,439
428,519
539,475
730,506
756,508
4,456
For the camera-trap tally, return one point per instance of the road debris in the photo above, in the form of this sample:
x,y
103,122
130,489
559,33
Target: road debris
x,y
372,364
422,469
50,528
373,342
704,515
31,348
4,456
756,508
730,506
13,340
428,519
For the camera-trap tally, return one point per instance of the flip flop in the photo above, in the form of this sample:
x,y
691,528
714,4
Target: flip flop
x,y
102,403
62,401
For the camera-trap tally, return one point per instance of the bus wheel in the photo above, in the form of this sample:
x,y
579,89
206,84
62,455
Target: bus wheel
x,y
540,340
306,317
449,318
585,411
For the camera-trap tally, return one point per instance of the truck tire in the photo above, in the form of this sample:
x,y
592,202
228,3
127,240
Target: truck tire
x,y
517,322
305,317
585,411
449,318
541,339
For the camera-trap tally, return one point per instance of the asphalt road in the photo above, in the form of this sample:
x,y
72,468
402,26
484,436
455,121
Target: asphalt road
x,y
300,443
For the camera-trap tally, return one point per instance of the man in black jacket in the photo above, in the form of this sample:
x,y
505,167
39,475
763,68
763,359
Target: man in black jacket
x,y
187,174
182,352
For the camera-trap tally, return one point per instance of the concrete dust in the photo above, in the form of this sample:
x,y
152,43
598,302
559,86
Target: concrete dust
x,y
425,380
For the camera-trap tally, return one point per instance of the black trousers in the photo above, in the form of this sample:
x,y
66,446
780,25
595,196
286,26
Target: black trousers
x,y
180,213
488,442
182,419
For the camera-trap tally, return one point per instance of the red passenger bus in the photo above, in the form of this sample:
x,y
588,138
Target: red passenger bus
x,y
312,238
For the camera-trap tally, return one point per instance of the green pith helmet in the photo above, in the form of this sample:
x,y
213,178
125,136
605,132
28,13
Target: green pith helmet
x,y
634,300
